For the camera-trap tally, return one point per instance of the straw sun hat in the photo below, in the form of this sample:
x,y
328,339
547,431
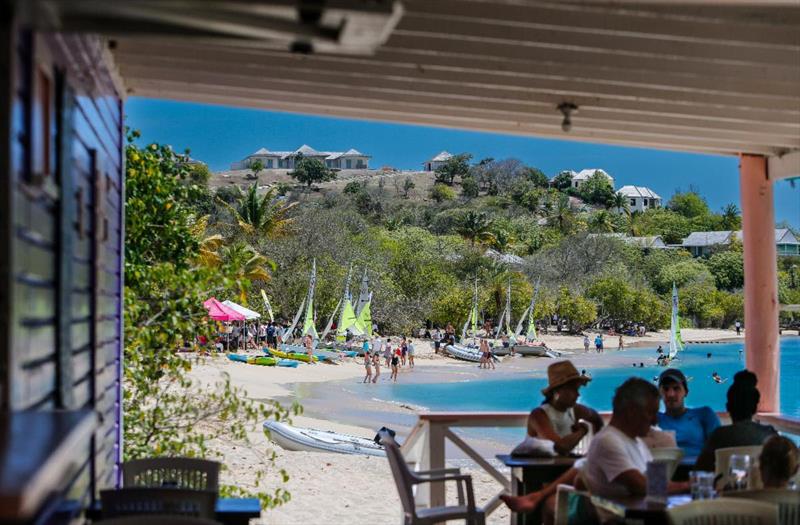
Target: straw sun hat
x,y
561,373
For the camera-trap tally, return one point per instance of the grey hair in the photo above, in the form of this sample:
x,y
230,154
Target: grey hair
x,y
634,391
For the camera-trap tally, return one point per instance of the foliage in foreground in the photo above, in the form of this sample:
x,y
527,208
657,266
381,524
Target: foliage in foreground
x,y
166,412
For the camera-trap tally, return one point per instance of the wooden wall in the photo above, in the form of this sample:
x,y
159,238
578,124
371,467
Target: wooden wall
x,y
63,241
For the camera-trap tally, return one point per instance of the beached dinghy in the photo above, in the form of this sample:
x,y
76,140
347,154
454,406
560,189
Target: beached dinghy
x,y
534,350
311,440
463,352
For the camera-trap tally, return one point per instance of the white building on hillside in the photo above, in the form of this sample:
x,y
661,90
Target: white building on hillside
x,y
705,243
582,176
640,198
345,160
438,160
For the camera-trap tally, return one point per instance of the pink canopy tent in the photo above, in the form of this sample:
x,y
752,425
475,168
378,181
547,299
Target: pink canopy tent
x,y
220,312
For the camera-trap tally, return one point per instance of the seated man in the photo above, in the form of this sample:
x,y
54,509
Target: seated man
x,y
692,426
618,456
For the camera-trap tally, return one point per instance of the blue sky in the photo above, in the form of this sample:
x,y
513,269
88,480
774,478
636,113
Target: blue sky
x,y
220,135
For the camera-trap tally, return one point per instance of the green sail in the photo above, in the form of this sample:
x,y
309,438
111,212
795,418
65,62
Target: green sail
x,y
348,319
364,321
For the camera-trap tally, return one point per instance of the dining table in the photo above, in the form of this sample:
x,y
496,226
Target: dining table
x,y
529,474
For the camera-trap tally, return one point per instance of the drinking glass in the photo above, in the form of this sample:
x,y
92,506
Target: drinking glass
x,y
701,484
739,470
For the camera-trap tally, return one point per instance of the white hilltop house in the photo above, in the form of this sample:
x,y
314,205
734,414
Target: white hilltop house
x,y
438,160
345,160
701,244
640,198
578,178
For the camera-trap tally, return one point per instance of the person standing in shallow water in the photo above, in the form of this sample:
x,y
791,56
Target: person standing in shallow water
x,y
621,343
376,364
367,366
395,363
585,343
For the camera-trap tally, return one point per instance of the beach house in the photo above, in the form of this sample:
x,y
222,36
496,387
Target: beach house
x,y
582,176
701,244
344,160
480,66
640,198
435,162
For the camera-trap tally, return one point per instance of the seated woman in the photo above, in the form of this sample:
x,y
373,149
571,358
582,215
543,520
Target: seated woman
x,y
743,398
560,418
778,462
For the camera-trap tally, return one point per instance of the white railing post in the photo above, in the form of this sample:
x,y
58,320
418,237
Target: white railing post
x,y
434,459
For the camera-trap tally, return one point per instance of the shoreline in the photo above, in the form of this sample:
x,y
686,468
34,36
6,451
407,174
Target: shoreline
x,y
333,401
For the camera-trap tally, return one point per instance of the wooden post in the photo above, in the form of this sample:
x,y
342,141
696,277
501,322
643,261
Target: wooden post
x,y
435,460
760,279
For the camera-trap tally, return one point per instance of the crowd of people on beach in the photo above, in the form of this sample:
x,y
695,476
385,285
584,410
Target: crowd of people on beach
x,y
615,455
395,355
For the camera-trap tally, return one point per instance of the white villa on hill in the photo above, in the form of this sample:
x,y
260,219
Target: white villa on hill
x,y
704,243
438,160
640,198
578,178
350,159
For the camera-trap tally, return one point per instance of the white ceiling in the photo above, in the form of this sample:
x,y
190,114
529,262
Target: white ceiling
x,y
712,77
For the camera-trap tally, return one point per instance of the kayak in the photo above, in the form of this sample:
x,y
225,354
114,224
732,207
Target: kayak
x,y
464,353
312,440
296,356
241,358
262,360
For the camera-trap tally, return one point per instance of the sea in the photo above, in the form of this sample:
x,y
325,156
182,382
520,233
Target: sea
x,y
516,386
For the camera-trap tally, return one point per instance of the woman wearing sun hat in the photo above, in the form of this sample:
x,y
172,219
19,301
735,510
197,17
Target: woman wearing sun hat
x,y
560,418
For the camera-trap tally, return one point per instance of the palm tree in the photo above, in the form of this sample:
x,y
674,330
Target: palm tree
x,y
730,217
208,244
476,226
620,202
601,222
244,264
562,214
503,240
261,216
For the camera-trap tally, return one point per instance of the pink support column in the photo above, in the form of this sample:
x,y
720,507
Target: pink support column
x,y
760,279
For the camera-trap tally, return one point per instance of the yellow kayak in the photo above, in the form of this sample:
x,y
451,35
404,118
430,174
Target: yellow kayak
x,y
296,356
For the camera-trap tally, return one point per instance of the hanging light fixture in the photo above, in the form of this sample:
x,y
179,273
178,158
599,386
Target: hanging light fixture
x,y
567,109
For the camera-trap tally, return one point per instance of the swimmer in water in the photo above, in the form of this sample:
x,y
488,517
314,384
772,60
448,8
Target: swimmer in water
x,y
708,355
717,379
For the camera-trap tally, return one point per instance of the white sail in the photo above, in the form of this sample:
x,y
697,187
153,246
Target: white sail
x,y
308,325
675,342
330,321
531,334
364,295
521,322
289,331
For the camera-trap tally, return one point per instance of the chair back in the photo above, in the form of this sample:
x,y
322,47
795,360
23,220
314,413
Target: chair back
x,y
670,455
401,473
157,519
180,473
788,502
724,511
722,458
169,501
574,507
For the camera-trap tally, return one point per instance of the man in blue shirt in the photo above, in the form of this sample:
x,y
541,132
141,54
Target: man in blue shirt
x,y
692,426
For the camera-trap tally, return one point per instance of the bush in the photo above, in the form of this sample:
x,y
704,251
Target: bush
x,y
469,187
441,193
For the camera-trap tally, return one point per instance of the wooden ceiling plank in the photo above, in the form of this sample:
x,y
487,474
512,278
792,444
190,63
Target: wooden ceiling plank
x,y
457,95
477,114
420,64
232,97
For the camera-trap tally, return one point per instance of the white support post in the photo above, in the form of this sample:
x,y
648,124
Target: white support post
x,y
435,460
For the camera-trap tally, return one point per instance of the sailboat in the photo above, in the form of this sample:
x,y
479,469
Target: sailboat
x,y
307,306
364,308
464,351
352,321
504,325
675,341
530,346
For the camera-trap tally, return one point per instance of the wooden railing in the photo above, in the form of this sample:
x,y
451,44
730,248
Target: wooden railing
x,y
425,446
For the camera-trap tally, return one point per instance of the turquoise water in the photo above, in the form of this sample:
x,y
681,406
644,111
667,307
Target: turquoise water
x,y
524,394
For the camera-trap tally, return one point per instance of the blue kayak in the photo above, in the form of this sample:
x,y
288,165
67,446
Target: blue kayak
x,y
241,358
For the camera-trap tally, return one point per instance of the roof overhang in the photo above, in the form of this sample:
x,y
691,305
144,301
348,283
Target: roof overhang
x,y
713,76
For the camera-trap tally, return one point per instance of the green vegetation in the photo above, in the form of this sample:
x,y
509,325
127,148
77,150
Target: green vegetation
x,y
172,264
310,171
424,248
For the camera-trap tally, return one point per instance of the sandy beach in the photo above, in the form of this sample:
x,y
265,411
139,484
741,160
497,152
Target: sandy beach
x,y
360,489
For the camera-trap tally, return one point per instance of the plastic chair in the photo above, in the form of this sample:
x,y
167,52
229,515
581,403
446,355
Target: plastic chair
x,y
724,511
157,519
574,506
406,480
722,458
788,502
180,473
670,455
168,501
